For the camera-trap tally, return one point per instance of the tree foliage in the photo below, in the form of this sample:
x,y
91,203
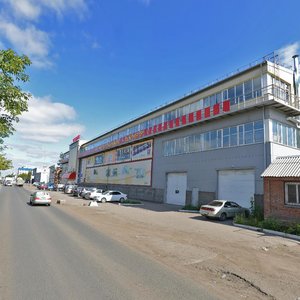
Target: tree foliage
x,y
13,101
5,164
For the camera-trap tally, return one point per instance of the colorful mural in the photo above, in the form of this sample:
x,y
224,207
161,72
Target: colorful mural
x,y
132,173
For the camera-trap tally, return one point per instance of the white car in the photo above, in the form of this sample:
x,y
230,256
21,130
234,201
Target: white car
x,y
110,196
40,197
92,194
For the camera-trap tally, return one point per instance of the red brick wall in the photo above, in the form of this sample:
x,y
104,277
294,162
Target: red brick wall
x,y
274,199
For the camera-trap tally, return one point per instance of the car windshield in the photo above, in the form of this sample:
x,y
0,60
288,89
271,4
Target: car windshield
x,y
216,203
105,192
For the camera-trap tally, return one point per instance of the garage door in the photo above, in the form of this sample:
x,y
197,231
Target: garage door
x,y
176,188
237,185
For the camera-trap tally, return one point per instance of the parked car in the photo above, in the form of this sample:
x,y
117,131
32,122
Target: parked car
x,y
222,209
42,186
69,188
110,196
92,194
77,190
59,187
36,184
50,187
86,190
40,197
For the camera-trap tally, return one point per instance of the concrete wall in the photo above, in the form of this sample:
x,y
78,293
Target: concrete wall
x,y
274,200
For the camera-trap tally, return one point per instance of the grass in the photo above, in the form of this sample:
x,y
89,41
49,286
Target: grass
x,y
191,207
256,219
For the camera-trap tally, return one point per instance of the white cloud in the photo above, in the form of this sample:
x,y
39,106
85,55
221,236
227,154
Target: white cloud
x,y
30,40
31,10
286,53
25,9
48,121
19,25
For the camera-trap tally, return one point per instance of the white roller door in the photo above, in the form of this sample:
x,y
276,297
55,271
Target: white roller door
x,y
176,188
237,185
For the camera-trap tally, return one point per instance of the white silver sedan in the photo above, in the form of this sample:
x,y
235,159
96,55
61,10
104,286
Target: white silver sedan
x,y
110,196
40,197
222,209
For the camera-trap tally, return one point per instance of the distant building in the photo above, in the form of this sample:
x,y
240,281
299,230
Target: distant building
x,y
24,170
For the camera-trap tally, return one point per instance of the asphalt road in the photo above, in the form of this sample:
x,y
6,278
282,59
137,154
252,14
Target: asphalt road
x,y
47,254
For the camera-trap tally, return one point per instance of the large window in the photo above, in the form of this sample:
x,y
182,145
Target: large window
x,y
249,133
285,135
292,193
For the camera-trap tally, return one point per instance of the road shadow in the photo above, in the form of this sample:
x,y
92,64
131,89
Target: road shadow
x,y
153,206
215,221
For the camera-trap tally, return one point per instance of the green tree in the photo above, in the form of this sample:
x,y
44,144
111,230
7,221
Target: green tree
x,y
13,101
5,164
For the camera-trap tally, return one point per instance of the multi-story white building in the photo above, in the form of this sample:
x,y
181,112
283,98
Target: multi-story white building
x,y
213,143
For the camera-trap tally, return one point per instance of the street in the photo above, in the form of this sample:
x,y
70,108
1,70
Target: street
x,y
48,254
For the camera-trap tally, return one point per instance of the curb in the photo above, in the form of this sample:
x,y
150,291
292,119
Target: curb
x,y
130,204
278,233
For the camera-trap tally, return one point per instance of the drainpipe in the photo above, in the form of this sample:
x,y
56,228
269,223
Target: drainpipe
x,y
296,75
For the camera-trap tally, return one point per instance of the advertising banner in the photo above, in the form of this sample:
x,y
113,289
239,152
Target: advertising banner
x,y
131,173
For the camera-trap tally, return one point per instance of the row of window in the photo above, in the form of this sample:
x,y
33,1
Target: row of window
x,y
285,135
244,91
236,94
243,134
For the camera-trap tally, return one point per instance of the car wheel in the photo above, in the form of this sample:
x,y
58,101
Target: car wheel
x,y
103,200
223,217
122,200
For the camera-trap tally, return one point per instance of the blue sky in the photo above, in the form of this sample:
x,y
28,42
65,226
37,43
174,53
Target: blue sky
x,y
99,63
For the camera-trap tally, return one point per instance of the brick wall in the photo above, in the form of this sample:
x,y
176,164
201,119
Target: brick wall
x,y
274,200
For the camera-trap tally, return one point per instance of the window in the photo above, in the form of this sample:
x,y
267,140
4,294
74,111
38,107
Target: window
x,y
239,93
226,137
231,95
233,136
241,134
248,90
292,193
257,87
249,133
258,131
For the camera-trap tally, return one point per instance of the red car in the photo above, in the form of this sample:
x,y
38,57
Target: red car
x,y
43,186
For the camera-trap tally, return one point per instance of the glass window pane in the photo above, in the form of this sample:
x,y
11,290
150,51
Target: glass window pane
x,y
241,135
219,97
213,140
231,95
248,89
291,194
226,137
225,95
219,145
233,136
206,141
213,100
206,102
239,93
249,133
257,87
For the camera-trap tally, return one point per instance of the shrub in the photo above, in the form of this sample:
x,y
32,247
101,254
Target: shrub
x,y
191,207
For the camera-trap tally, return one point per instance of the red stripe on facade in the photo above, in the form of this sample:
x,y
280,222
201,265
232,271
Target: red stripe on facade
x,y
183,120
226,105
206,112
216,109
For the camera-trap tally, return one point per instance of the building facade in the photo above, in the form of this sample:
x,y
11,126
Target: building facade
x,y
212,144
